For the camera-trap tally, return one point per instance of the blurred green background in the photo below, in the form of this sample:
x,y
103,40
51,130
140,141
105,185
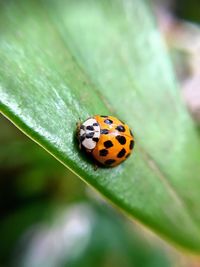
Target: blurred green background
x,y
50,218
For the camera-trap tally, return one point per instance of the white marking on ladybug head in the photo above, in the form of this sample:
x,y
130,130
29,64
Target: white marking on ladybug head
x,y
89,133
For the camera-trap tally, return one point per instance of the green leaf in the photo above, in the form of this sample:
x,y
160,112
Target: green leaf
x,y
65,60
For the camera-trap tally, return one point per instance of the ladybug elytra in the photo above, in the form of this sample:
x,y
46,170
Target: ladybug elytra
x,y
106,138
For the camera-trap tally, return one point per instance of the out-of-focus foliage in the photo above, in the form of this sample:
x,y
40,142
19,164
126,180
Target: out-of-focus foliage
x,y
31,182
187,10
88,235
48,220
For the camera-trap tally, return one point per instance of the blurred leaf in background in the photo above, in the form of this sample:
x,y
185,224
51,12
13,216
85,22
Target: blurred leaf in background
x,y
88,235
187,10
31,182
177,24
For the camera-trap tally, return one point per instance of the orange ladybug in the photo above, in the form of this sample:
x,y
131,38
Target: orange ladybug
x,y
106,138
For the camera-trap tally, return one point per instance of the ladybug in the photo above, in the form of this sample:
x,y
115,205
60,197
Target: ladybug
x,y
107,139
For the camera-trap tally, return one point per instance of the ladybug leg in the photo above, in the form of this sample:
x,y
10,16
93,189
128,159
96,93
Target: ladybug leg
x,y
78,125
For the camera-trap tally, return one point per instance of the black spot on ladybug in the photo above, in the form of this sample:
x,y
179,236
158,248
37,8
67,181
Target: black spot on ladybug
x,y
120,128
103,152
121,153
90,128
109,161
108,144
104,116
108,121
95,139
131,133
95,124
131,144
127,155
90,135
104,131
121,139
